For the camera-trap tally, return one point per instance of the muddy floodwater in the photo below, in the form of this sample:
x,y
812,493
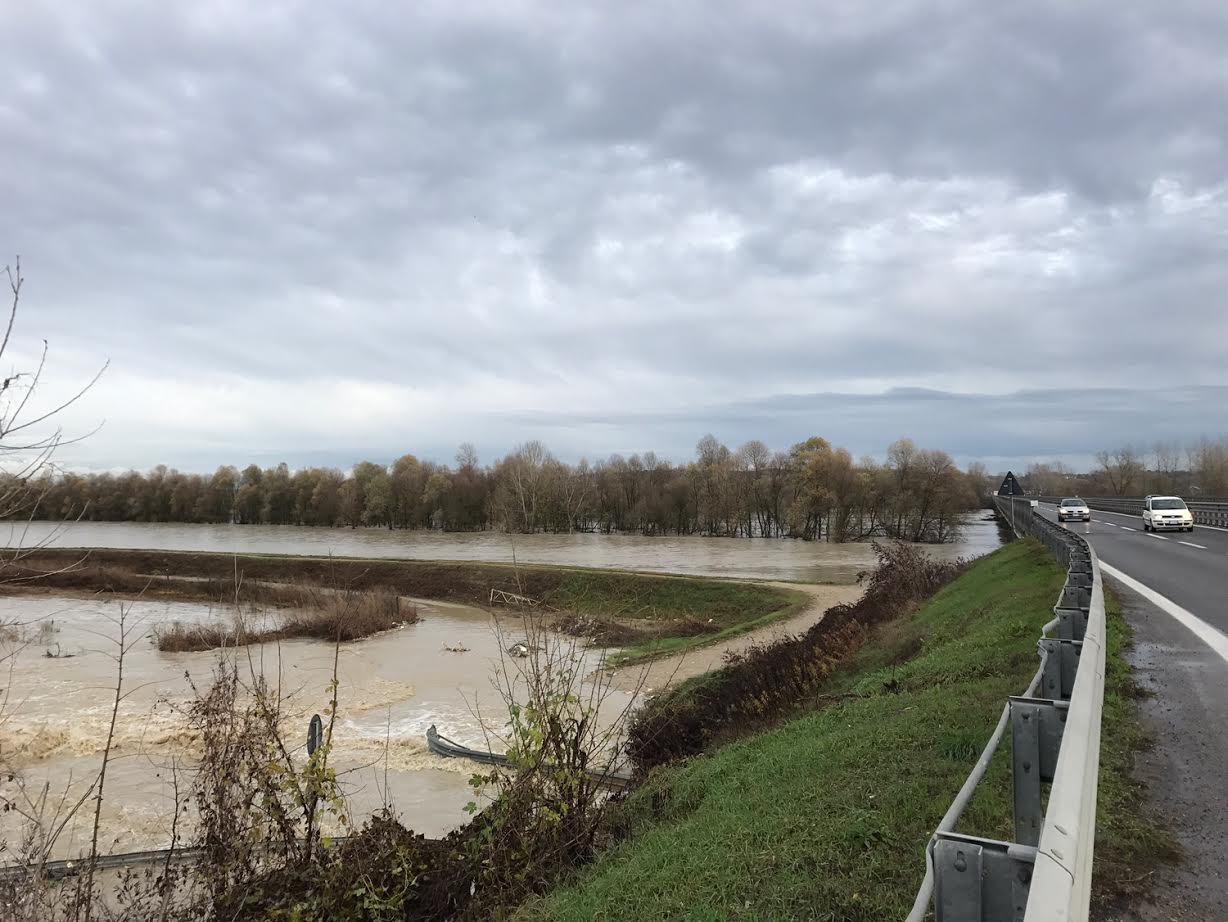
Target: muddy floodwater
x,y
740,558
56,687
391,688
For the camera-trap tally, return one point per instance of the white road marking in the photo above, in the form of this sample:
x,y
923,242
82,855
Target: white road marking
x,y
1126,515
1212,637
1157,537
1201,547
1126,528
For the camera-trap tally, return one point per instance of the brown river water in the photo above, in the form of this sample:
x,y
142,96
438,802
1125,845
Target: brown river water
x,y
738,558
54,722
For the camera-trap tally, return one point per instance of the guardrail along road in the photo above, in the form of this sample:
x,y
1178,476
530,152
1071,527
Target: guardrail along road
x,y
1045,873
1174,586
1213,512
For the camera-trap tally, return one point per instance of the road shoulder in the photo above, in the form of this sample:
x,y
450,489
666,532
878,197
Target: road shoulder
x,y
1185,772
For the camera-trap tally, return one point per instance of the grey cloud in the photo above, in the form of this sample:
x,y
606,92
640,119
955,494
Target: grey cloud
x,y
1055,424
577,208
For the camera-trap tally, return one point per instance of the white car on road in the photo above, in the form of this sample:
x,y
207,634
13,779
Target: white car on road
x,y
1075,509
1166,512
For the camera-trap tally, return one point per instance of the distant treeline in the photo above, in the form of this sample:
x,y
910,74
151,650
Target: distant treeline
x,y
1199,469
812,491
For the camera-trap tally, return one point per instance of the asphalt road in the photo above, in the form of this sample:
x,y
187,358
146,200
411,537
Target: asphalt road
x,y
1190,568
1181,657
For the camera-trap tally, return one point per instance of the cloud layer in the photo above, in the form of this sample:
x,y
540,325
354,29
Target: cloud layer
x,y
311,233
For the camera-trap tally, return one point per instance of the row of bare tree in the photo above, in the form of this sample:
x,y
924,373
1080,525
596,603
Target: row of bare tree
x,y
1199,469
812,491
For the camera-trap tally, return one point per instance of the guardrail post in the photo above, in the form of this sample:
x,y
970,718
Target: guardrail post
x,y
1071,623
1036,739
1079,579
1061,664
1075,597
980,880
1025,773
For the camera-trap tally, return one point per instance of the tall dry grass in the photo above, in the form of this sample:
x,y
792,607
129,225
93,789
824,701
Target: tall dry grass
x,y
316,614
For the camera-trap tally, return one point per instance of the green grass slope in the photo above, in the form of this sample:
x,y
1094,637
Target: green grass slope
x,y
826,817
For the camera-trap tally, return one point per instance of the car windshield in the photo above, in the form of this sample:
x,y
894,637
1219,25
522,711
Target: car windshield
x,y
1072,502
1172,503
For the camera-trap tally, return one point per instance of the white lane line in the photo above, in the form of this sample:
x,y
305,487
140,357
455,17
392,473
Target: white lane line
x,y
1157,537
1212,637
1126,528
1201,547
1126,515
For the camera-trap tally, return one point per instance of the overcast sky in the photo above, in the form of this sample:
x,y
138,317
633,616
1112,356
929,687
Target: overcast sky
x,y
317,232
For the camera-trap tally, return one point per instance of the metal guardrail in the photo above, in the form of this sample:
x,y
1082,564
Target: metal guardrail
x,y
70,867
1212,512
1045,874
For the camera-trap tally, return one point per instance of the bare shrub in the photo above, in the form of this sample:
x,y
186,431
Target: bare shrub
x,y
604,632
260,806
178,637
550,805
348,615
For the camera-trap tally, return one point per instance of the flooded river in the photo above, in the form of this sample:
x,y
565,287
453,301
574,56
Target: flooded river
x,y
57,685
742,558
392,687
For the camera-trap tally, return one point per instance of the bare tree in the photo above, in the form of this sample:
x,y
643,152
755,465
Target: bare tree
x,y
1122,468
523,478
1167,465
29,434
755,457
1049,479
1208,463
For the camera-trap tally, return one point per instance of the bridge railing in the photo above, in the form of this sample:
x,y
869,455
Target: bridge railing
x,y
1045,873
1212,512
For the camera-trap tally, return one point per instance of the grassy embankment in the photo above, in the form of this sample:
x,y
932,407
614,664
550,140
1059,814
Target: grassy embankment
x,y
643,614
826,815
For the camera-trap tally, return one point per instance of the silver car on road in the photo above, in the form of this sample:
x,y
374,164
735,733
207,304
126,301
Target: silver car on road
x,y
1073,509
